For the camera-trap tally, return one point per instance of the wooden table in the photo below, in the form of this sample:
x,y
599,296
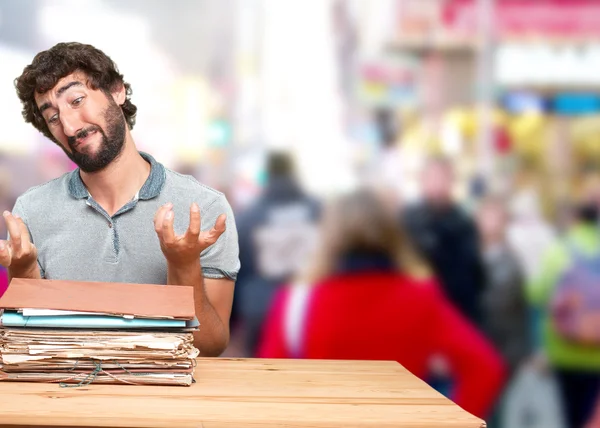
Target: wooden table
x,y
245,393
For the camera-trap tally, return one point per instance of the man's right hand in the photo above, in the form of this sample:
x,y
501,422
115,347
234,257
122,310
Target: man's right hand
x,y
18,254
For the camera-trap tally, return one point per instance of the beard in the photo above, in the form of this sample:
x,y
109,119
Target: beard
x,y
111,145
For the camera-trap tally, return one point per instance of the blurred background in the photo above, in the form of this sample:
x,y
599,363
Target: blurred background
x,y
476,124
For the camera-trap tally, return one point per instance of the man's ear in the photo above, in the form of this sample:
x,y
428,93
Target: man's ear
x,y
119,95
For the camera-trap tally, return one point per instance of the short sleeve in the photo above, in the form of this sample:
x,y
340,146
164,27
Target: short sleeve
x,y
221,260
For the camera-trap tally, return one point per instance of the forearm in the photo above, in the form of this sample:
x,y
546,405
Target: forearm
x,y
29,273
213,336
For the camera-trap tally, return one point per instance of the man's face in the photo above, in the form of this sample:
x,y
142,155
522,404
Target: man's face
x,y
437,182
87,124
492,221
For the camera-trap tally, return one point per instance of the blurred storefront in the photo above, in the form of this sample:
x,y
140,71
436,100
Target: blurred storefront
x,y
535,70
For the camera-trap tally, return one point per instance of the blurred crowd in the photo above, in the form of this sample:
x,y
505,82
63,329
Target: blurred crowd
x,y
481,297
358,239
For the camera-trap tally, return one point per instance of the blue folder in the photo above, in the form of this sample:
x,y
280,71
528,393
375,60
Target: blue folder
x,y
15,319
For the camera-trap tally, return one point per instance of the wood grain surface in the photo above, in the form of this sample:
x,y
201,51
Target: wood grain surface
x,y
245,393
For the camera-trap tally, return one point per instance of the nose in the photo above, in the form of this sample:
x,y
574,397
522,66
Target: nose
x,y
70,123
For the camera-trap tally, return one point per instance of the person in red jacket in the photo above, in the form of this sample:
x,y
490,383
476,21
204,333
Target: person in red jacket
x,y
368,297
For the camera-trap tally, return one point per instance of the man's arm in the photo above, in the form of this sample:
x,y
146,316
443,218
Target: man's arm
x,y
412,222
33,273
213,298
17,253
212,302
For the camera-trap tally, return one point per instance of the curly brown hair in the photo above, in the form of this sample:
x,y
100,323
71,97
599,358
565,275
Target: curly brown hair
x,y
49,66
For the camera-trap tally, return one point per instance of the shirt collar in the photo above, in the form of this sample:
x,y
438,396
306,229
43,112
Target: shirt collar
x,y
151,188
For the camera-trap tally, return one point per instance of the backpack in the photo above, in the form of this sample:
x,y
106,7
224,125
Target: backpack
x,y
575,304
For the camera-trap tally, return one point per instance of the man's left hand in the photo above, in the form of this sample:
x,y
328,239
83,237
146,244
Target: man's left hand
x,y
182,250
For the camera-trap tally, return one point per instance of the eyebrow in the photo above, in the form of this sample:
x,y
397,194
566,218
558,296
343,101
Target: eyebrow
x,y
60,91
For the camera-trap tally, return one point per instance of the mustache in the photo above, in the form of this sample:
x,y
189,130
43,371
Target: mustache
x,y
82,134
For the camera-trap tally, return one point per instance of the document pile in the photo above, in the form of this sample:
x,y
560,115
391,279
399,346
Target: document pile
x,y
76,333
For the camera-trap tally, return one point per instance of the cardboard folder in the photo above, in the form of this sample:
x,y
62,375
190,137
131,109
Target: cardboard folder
x,y
82,357
109,298
103,377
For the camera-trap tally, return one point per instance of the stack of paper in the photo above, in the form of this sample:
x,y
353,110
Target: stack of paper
x,y
82,332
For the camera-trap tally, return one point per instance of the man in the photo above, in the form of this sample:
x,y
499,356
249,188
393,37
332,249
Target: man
x,y
278,233
121,216
564,292
449,241
448,238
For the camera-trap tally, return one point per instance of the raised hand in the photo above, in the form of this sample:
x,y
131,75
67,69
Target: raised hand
x,y
18,254
181,250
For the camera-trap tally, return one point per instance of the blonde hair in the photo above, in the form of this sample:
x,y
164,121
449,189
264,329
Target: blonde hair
x,y
362,221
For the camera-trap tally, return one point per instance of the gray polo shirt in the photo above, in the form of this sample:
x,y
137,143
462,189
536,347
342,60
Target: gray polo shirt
x,y
77,240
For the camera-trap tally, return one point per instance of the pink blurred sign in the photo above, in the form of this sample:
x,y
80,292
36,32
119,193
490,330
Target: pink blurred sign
x,y
549,18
